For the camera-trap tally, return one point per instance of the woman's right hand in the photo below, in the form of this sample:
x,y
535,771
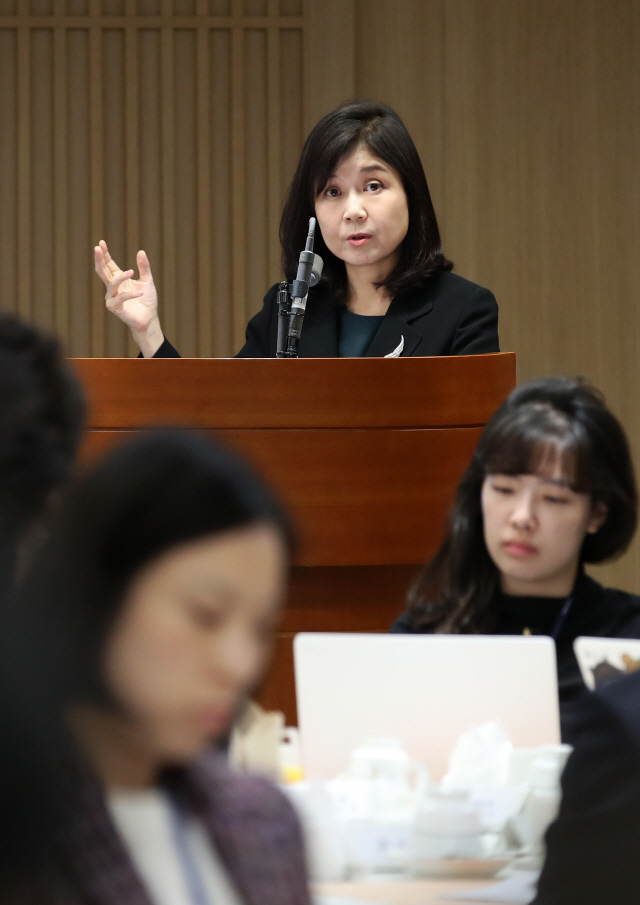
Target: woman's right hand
x,y
135,302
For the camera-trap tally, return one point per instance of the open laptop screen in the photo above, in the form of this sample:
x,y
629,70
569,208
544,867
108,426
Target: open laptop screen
x,y
423,690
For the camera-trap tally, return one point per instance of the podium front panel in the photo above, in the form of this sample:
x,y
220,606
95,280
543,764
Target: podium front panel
x,y
366,454
364,498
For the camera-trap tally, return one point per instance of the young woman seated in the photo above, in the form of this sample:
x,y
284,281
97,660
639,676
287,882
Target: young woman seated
x,y
550,488
150,615
386,287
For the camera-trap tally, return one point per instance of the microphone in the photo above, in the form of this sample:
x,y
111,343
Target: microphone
x,y
316,271
308,275
284,306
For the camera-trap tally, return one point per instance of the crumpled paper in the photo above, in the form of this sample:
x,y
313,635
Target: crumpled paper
x,y
480,758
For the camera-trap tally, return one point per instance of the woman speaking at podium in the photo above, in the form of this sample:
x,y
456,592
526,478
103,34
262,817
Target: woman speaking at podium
x,y
386,287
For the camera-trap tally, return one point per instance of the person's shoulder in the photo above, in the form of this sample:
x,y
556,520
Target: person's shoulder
x,y
451,286
272,292
614,601
243,795
622,599
256,830
269,300
622,699
453,297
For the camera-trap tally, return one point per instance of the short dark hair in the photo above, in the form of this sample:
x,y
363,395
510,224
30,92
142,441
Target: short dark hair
x,y
541,419
41,417
381,130
157,491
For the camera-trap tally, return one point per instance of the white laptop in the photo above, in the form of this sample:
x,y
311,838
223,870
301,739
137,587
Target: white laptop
x,y
602,660
424,690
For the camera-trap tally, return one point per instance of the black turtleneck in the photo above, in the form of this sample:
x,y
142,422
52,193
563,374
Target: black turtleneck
x,y
596,611
527,615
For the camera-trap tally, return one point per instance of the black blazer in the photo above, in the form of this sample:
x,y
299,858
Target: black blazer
x,y
593,848
449,316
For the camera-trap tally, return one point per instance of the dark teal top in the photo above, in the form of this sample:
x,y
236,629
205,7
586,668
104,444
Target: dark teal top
x,y
356,332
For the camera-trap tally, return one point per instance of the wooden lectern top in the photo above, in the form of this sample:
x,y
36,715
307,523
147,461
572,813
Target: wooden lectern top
x,y
307,392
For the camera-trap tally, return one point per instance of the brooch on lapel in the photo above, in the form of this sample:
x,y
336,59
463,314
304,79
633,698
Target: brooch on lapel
x,y
397,352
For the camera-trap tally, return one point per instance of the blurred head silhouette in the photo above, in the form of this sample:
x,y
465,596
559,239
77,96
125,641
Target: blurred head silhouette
x,y
41,411
152,604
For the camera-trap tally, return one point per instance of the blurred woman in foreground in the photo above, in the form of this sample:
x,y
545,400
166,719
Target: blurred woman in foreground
x,y
151,613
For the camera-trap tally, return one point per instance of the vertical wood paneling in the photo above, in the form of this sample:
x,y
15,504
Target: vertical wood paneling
x,y
97,346
238,171
329,56
400,46
9,165
221,195
81,280
185,192
168,298
61,191
195,173
617,234
256,176
204,345
24,171
273,146
291,108
40,256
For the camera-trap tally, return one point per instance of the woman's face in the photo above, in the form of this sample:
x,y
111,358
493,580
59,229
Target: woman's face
x,y
362,212
193,636
534,527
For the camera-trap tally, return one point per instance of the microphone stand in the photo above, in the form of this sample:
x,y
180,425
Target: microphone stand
x,y
284,311
292,301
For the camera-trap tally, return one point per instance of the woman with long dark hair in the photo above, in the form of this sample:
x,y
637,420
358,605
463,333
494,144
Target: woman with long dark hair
x,y
147,620
386,287
550,488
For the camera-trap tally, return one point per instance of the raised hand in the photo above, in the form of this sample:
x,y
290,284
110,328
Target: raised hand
x,y
135,302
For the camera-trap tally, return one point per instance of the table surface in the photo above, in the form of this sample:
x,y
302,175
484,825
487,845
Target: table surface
x,y
400,892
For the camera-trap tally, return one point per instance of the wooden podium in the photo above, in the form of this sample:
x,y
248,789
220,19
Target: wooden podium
x,y
366,452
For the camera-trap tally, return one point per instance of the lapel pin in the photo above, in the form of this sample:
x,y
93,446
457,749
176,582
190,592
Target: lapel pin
x,y
397,352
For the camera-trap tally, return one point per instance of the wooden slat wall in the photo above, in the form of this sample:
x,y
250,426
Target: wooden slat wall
x,y
180,122
527,118
172,125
